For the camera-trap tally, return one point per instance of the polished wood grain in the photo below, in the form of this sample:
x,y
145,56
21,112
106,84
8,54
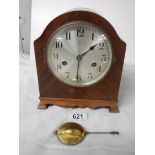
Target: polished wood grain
x,y
102,94
75,103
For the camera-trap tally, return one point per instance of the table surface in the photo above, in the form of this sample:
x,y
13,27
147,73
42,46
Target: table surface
x,y
37,126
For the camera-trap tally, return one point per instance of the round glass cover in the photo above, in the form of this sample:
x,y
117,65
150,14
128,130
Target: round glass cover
x,y
79,54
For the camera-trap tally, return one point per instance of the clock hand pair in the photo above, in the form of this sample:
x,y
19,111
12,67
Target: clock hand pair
x,y
79,58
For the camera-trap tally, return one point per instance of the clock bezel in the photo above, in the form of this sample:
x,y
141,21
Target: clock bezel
x,y
87,84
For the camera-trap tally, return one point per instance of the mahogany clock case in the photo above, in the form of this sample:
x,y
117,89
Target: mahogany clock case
x,y
103,93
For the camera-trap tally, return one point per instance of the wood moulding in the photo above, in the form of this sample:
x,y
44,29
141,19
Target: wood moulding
x,y
75,103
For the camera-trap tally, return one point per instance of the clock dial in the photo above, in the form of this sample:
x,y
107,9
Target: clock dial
x,y
79,54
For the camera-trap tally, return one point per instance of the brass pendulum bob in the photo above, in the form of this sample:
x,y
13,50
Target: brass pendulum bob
x,y
72,133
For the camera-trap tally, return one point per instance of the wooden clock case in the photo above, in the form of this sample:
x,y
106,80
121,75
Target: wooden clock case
x,y
102,94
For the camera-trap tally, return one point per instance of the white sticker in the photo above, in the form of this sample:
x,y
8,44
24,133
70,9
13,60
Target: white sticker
x,y
78,116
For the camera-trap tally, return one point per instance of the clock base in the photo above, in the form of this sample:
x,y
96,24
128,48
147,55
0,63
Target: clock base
x,y
114,109
81,103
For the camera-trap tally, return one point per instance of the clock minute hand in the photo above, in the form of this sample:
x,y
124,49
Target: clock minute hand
x,y
77,76
79,57
90,49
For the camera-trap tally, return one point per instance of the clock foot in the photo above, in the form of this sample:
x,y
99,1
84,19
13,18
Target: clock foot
x,y
42,106
114,109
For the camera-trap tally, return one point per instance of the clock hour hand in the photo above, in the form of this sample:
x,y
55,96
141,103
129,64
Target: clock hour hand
x,y
90,49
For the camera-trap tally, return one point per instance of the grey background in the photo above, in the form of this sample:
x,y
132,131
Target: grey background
x,y
25,25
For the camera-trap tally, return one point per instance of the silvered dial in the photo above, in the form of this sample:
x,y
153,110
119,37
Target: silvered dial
x,y
79,54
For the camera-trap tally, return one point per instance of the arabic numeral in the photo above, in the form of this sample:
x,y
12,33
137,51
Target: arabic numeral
x,y
68,74
99,68
58,66
103,58
92,36
79,78
90,76
68,36
58,45
77,116
55,56
80,32
101,45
